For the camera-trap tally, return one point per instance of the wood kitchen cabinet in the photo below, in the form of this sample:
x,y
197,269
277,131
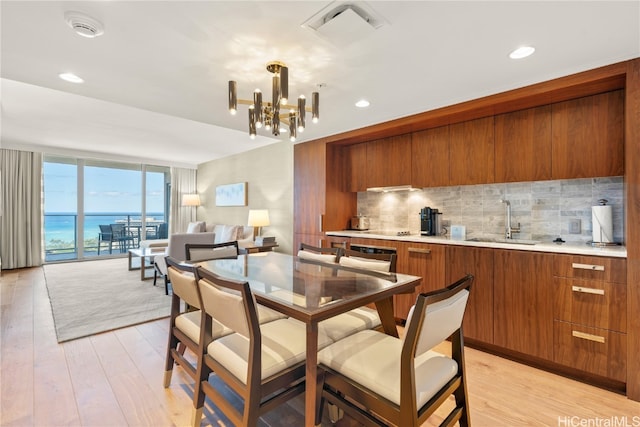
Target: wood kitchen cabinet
x,y
472,152
389,161
357,168
430,157
523,302
523,145
321,203
590,315
588,136
419,259
478,317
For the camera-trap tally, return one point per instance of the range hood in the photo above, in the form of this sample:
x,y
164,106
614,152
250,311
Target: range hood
x,y
392,188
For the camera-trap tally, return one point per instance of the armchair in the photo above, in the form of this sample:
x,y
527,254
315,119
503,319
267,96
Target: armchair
x,y
177,249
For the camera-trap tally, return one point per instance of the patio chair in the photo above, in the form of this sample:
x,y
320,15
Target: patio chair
x,y
124,238
105,236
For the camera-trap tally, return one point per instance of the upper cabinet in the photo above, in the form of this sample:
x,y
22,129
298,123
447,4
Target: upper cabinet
x,y
389,161
588,136
430,157
357,167
523,145
471,160
580,138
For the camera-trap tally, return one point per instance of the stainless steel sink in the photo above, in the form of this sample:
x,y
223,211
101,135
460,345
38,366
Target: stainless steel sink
x,y
510,241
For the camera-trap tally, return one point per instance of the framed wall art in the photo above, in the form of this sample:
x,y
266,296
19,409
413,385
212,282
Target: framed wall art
x,y
231,194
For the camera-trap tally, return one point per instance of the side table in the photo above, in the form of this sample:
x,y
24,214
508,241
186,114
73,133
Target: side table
x,y
143,254
252,248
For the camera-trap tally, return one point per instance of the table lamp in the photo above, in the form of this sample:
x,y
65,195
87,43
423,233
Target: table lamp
x,y
258,218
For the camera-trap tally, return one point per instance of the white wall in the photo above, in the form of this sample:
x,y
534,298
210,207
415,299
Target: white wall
x,y
268,172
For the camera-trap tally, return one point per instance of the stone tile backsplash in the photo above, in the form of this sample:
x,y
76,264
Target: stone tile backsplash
x,y
544,209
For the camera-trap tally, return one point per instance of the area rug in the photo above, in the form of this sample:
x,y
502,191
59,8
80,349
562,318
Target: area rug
x,y
97,296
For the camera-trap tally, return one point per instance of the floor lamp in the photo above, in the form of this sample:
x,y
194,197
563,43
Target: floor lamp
x,y
191,200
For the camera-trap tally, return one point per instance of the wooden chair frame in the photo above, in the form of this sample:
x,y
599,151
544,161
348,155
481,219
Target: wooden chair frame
x,y
371,409
332,251
260,396
178,340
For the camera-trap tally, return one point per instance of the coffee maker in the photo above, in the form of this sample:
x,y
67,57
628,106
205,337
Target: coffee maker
x,y
429,222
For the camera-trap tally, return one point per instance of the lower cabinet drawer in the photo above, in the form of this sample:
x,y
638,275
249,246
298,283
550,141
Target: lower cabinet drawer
x,y
597,351
600,305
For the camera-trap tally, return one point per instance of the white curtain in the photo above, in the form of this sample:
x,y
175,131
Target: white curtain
x,y
183,181
20,209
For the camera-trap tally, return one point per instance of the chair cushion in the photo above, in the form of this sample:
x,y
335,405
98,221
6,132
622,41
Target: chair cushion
x,y
365,264
283,346
372,359
447,314
203,254
265,314
189,323
178,241
349,323
314,256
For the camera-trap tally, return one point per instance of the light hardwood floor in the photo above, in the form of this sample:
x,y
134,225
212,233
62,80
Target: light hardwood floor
x,y
115,378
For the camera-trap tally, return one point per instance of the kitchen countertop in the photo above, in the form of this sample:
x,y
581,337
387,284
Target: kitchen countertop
x,y
561,248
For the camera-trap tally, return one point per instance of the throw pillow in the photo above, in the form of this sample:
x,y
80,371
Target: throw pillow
x,y
196,227
228,233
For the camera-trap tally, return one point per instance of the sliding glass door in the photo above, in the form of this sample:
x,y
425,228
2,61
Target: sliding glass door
x,y
112,205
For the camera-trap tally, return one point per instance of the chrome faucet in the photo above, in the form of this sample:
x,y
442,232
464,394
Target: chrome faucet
x,y
509,230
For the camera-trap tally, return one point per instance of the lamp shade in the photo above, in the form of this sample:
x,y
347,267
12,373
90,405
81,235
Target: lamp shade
x,y
258,218
190,200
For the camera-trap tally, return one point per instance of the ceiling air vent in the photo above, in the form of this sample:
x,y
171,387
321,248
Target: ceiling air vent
x,y
83,25
344,23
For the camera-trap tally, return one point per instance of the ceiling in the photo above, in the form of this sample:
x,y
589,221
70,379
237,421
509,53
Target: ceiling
x,y
155,85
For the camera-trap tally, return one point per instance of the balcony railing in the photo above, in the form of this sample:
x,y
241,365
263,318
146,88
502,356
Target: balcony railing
x,y
61,233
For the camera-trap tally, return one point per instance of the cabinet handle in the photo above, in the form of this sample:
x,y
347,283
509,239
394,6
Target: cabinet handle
x,y
321,222
420,250
587,290
588,266
590,337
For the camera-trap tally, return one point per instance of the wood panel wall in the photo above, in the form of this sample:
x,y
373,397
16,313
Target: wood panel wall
x,y
632,185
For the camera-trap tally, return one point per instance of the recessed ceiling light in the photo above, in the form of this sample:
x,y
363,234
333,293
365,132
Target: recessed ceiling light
x,y
363,103
522,52
70,77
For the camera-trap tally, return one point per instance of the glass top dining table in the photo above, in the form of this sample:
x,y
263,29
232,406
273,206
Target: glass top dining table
x,y
312,291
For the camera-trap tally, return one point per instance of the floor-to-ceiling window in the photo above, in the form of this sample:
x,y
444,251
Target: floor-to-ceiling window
x,y
111,205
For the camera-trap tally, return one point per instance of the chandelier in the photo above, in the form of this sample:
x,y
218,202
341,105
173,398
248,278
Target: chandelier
x,y
271,114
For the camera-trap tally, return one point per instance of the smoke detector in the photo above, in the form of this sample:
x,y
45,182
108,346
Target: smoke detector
x,y
84,25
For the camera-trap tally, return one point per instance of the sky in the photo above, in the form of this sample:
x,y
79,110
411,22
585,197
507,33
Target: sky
x,y
106,189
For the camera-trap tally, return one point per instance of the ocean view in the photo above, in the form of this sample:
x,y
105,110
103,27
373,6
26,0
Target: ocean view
x,y
61,227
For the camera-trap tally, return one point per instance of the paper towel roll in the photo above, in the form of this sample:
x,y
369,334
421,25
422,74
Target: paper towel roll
x,y
602,219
